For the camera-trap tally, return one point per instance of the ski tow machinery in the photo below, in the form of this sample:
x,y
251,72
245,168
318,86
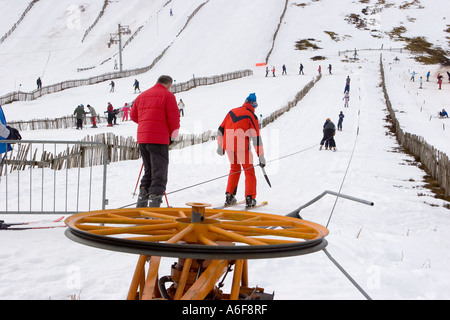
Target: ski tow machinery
x,y
209,245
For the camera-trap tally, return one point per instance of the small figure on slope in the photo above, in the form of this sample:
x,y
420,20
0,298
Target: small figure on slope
x,y
93,115
346,99
341,119
329,130
79,115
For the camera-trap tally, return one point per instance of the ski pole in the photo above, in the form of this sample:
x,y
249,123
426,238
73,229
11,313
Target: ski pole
x,y
265,175
167,202
137,182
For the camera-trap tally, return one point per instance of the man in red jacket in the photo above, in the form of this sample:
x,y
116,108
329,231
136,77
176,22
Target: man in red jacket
x,y
233,137
156,113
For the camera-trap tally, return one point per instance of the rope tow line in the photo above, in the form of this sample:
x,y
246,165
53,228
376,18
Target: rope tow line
x,y
345,273
227,175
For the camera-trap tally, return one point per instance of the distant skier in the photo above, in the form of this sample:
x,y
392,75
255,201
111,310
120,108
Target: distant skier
x,y
267,71
440,77
110,112
181,107
341,119
112,84
329,130
301,69
39,83
284,70
347,85
93,116
320,69
346,99
136,85
329,68
420,83
428,76
233,138
273,71
413,75
125,110
443,114
79,115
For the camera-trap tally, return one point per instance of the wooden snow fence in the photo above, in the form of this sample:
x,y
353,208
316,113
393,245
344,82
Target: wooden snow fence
x,y
176,87
57,123
80,154
436,162
84,154
186,140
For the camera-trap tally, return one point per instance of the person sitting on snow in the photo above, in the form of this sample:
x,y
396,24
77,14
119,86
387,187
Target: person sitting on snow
x,y
443,114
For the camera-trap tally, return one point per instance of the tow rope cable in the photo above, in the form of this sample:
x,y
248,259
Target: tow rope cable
x,y
227,175
345,273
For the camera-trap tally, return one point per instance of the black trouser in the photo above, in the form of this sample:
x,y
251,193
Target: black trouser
x,y
110,118
80,123
328,138
156,165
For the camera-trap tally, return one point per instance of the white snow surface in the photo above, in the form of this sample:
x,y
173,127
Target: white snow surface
x,y
395,250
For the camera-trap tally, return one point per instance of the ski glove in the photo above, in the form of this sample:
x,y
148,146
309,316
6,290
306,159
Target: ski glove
x,y
13,134
262,161
220,151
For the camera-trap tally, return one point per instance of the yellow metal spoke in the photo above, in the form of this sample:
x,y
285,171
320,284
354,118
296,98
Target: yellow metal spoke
x,y
123,221
206,241
157,215
133,229
263,231
155,238
235,237
180,235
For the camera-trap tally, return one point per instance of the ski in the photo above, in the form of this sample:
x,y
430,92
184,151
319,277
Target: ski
x,y
29,228
7,226
258,205
33,222
230,205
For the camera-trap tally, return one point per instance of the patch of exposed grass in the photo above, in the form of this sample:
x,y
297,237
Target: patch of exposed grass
x,y
397,33
355,19
408,5
333,35
306,44
427,54
433,185
300,4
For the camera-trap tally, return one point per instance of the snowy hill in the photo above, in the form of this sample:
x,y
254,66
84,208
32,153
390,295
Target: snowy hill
x,y
394,250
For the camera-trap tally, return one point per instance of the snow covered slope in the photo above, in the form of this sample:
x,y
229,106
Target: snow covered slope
x,y
394,250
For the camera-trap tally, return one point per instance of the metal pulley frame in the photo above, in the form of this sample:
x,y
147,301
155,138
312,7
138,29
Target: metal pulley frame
x,y
197,233
207,242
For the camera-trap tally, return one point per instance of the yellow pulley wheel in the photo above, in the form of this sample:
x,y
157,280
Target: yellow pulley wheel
x,y
197,232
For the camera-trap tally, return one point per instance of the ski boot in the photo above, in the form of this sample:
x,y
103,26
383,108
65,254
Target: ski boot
x,y
249,202
155,201
142,198
229,199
